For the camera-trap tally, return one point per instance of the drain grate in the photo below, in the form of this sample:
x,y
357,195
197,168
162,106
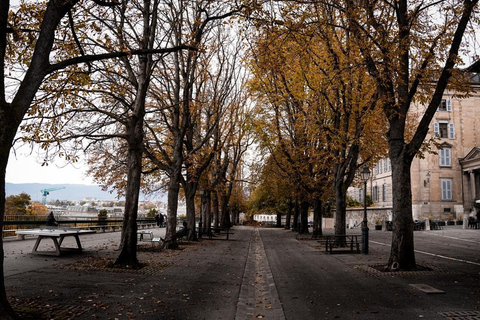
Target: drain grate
x,y
36,310
426,269
461,315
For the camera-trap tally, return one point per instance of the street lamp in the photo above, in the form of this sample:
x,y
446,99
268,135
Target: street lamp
x,y
365,173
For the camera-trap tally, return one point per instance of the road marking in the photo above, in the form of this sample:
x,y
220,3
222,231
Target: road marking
x,y
433,254
454,238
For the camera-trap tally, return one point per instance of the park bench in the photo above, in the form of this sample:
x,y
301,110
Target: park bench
x,y
346,242
214,231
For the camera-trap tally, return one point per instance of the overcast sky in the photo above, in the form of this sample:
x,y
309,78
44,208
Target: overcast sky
x,y
24,168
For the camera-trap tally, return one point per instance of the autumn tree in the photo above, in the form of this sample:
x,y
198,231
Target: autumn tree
x,y
114,99
17,204
327,96
196,88
412,59
26,53
273,191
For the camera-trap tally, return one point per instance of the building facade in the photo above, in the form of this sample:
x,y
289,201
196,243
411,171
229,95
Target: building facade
x,y
445,180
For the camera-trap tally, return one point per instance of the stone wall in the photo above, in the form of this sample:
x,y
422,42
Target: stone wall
x,y
375,215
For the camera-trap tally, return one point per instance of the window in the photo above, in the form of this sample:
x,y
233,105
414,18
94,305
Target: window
x,y
445,105
360,195
445,157
384,192
375,194
444,130
446,189
451,131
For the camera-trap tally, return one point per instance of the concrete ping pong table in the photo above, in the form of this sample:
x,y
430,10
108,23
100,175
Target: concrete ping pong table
x,y
57,235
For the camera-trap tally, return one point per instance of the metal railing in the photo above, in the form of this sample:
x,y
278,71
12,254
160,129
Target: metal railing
x,y
13,223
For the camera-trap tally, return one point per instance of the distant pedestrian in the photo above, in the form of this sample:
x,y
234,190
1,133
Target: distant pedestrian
x,y
162,220
157,219
50,221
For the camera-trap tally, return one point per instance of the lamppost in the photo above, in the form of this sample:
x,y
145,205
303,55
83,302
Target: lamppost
x,y
365,173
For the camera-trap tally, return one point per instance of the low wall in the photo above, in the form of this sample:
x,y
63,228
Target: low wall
x,y
354,216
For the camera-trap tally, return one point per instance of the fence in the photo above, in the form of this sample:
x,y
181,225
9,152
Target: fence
x,y
11,223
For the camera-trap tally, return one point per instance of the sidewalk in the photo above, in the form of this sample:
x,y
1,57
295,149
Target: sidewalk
x,y
259,273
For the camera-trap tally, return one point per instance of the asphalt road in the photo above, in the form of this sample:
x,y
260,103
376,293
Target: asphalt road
x,y
259,273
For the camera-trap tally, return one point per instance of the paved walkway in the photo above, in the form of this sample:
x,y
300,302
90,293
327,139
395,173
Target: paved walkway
x,y
259,273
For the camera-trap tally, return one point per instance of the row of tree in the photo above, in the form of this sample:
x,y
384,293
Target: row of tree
x,y
153,92
149,89
340,84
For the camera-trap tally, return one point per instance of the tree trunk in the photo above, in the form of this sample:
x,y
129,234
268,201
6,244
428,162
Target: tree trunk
x,y
304,217
172,197
207,211
289,214
402,254
6,140
135,134
172,208
128,242
216,209
296,214
317,217
279,219
190,192
225,218
340,209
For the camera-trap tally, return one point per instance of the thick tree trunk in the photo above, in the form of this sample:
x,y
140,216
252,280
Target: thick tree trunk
x,y
225,218
207,211
134,131
190,192
172,208
289,214
6,139
279,219
340,209
216,209
296,214
172,197
317,217
402,254
304,217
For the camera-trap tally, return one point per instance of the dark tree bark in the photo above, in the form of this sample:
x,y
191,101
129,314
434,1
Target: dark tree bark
x,y
296,216
304,217
11,114
289,214
402,255
128,242
190,192
216,209
340,208
279,219
317,217
207,211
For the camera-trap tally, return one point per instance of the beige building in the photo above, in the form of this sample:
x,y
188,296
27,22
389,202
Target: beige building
x,y
445,184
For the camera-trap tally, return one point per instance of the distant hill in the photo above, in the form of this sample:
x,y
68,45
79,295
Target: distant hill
x,y
71,192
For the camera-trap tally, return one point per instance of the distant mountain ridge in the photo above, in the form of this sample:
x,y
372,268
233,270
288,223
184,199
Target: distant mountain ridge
x,y
71,192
